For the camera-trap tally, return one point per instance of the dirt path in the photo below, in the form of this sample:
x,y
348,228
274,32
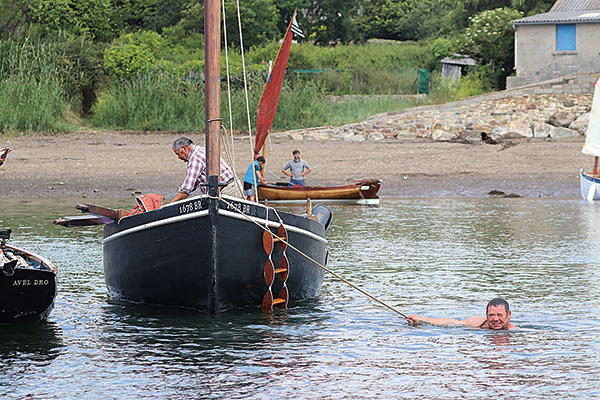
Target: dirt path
x,y
111,164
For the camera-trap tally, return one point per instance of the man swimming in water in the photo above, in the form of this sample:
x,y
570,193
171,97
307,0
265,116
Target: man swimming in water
x,y
497,312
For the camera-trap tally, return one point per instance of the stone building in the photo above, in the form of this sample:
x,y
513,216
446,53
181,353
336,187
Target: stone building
x,y
563,41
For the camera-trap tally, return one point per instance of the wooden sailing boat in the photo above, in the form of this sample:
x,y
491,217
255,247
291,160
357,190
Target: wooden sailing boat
x,y
213,252
590,181
363,191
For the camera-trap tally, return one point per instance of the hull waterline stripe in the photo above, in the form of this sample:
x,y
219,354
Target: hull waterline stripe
x,y
204,213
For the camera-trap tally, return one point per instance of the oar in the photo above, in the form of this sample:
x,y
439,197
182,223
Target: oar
x,y
82,220
101,216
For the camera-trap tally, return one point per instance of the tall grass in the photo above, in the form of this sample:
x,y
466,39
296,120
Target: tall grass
x,y
165,102
31,96
152,102
446,90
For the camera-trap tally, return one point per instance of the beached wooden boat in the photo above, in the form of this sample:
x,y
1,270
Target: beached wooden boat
x,y
213,252
27,284
357,192
590,181
363,191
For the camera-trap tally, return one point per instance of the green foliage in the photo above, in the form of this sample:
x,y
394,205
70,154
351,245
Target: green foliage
x,y
331,22
159,46
490,36
532,7
14,18
446,90
82,73
490,39
403,20
374,55
74,16
31,94
128,16
259,21
157,101
134,54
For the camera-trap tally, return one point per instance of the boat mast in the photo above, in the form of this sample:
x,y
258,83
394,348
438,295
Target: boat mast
x,y
212,77
212,71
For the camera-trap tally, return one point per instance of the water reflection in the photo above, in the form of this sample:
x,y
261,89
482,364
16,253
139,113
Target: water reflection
x,y
433,257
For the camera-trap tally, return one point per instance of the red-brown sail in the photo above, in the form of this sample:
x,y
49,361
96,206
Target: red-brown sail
x,y
270,95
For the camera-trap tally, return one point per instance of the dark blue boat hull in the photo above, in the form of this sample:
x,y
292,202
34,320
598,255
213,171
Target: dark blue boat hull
x,y
163,257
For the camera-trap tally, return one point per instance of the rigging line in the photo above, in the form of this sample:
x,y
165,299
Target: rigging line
x,y
234,209
278,177
246,94
229,144
228,153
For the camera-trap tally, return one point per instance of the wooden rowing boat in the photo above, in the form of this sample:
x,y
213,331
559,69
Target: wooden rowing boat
x,y
358,192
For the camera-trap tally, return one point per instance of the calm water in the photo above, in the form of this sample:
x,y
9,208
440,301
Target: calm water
x,y
434,257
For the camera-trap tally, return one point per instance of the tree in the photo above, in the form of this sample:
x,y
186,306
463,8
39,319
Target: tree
x,y
490,39
134,15
532,7
331,21
135,53
404,20
14,18
286,9
77,17
259,21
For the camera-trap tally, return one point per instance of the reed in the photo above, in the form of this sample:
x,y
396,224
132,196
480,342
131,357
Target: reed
x,y
155,101
31,96
166,102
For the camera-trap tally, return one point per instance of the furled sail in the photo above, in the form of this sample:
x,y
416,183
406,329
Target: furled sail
x,y
592,137
270,95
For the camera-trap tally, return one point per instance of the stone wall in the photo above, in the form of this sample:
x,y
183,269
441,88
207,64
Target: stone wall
x,y
556,108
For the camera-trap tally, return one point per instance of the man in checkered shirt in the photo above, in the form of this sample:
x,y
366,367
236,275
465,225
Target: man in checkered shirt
x,y
195,157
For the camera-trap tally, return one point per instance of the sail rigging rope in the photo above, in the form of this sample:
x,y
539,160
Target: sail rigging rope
x,y
229,143
239,16
305,255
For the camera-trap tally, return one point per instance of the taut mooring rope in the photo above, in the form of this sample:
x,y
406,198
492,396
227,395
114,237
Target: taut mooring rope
x,y
309,258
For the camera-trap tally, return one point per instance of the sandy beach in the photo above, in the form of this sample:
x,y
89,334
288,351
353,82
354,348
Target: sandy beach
x,y
118,164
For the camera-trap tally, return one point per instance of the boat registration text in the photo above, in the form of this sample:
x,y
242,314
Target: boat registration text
x,y
30,282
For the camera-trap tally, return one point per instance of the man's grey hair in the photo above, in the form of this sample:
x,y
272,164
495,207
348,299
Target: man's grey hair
x,y
498,302
181,142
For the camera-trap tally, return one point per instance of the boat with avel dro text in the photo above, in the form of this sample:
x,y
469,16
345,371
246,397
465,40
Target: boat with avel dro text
x,y
590,181
27,283
212,252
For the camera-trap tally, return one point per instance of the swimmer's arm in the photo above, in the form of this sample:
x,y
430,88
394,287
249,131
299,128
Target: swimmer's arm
x,y
473,321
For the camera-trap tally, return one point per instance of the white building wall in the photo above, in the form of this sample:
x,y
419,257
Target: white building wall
x,y
537,59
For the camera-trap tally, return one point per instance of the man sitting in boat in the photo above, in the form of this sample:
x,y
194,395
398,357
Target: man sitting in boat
x,y
497,312
3,154
195,157
298,169
250,182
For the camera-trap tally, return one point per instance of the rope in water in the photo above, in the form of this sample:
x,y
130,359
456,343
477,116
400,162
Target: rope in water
x,y
309,258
